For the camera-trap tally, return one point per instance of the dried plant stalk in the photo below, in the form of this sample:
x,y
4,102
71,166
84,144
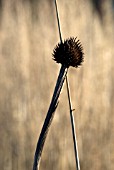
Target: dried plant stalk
x,y
68,53
75,49
49,117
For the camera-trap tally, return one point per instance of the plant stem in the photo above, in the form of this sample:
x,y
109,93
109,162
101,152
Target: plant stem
x,y
73,128
69,100
58,21
49,117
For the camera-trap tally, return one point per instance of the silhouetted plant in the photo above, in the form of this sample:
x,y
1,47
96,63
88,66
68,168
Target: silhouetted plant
x,y
68,53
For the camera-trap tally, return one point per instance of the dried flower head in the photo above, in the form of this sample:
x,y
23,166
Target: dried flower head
x,y
69,52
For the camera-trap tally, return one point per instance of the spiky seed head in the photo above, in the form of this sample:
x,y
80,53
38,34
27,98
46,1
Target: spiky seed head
x,y
69,52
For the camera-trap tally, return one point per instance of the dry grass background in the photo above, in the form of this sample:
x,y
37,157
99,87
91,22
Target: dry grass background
x,y
28,34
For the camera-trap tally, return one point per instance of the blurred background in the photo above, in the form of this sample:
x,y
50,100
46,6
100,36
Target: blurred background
x,y
28,34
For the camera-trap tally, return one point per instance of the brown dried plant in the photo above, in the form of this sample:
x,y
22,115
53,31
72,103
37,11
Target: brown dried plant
x,y
69,53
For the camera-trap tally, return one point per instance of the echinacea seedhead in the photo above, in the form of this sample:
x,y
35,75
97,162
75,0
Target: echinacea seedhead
x,y
69,52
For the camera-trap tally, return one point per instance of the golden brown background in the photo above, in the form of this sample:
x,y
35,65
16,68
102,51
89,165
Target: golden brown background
x,y
28,34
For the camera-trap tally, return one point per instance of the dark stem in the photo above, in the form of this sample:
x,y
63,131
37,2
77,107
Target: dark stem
x,y
49,117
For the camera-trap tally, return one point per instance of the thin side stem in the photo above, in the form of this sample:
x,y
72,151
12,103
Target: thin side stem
x,y
73,128
69,100
60,35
